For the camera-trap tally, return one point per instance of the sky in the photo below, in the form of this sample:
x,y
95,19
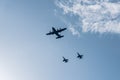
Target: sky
x,y
93,29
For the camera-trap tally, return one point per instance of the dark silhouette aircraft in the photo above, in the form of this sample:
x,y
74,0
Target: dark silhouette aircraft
x,y
65,60
79,56
56,32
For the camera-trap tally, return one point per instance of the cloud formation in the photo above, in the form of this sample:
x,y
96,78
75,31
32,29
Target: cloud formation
x,y
74,31
100,16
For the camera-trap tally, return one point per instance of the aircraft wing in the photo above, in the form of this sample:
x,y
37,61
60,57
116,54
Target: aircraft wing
x,y
60,30
50,33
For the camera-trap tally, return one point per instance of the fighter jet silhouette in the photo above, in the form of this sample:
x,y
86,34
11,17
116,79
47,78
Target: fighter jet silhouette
x,y
65,60
56,32
79,56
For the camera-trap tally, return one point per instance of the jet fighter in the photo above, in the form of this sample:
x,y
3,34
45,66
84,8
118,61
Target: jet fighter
x,y
79,56
65,60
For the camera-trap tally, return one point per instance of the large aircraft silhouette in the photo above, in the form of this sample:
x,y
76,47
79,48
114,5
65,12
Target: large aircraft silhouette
x,y
79,56
56,32
65,60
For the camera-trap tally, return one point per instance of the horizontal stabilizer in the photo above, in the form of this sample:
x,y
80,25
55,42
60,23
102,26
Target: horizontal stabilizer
x,y
59,37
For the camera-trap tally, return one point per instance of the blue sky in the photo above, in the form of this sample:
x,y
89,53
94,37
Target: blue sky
x,y
26,53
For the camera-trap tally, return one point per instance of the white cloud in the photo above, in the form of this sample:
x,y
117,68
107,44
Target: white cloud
x,y
95,15
74,31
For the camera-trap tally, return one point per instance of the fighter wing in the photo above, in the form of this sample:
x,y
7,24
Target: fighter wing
x,y
60,30
78,54
50,33
63,57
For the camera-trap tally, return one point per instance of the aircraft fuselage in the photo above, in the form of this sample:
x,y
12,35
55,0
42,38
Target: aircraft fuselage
x,y
54,30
